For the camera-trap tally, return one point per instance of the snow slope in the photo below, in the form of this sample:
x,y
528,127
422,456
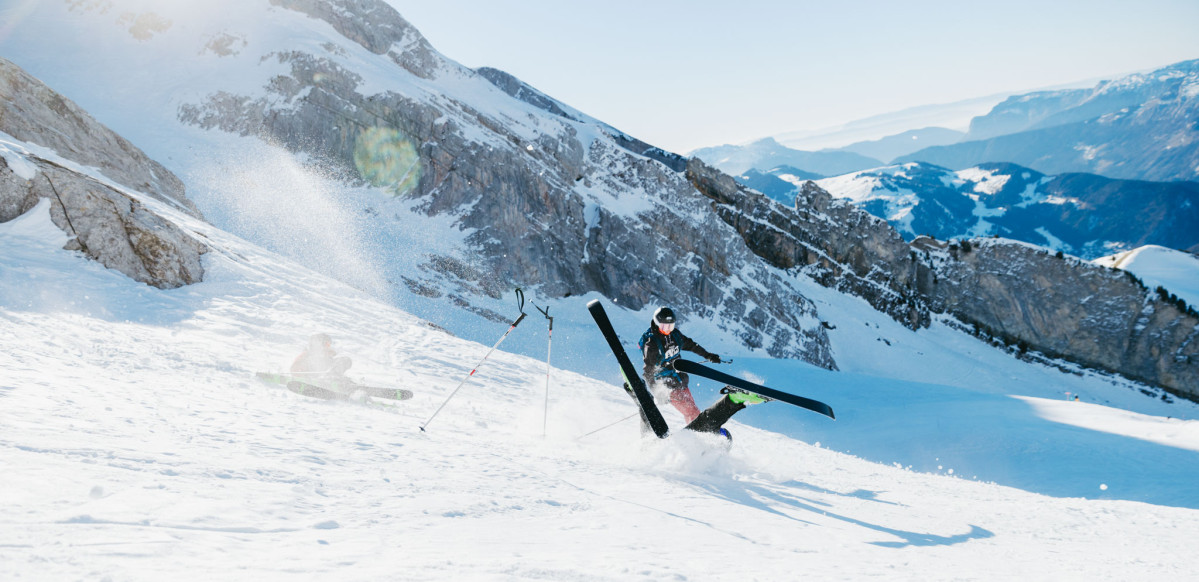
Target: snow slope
x,y
1177,271
138,446
136,79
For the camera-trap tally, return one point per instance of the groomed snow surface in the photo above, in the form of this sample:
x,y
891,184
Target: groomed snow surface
x,y
138,446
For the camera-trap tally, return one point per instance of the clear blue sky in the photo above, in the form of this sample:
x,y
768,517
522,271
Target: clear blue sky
x,y
687,74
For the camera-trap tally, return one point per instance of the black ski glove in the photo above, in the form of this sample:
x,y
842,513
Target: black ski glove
x,y
714,358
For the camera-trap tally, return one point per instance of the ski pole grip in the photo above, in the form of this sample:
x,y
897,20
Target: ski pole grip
x,y
519,319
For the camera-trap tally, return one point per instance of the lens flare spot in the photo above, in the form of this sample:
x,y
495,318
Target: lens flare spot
x,y
387,159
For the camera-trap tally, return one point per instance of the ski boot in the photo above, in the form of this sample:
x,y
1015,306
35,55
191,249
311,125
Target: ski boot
x,y
738,396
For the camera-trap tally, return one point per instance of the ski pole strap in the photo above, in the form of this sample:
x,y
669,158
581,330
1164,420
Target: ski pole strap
x,y
520,300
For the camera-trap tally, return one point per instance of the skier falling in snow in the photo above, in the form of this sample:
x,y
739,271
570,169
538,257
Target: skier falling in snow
x,y
320,364
319,372
661,345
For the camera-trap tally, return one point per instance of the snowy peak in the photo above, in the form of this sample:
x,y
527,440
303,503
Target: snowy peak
x,y
377,27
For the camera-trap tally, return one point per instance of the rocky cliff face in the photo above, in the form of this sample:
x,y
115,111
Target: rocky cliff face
x,y
834,242
108,224
1014,292
552,199
34,113
548,198
1065,308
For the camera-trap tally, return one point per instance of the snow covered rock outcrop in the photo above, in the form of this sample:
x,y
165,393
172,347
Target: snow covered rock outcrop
x,y
1065,308
836,243
50,150
1013,292
32,112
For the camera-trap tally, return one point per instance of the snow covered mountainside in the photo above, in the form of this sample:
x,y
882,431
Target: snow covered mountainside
x,y
1081,214
1136,127
139,446
332,132
453,186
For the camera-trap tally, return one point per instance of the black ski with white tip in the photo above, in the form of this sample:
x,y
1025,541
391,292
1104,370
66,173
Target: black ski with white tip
x,y
636,386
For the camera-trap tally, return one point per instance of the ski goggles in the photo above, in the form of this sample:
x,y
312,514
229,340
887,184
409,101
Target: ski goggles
x,y
666,327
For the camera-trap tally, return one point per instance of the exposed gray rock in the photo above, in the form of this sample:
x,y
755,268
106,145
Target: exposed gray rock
x,y
1021,294
522,91
34,113
1065,308
108,225
377,27
532,207
544,207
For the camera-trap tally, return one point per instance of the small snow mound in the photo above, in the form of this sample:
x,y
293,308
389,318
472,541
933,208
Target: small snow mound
x,y
36,226
16,161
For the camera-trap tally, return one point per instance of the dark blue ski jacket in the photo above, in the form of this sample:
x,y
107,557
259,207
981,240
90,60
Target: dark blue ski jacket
x,y
661,350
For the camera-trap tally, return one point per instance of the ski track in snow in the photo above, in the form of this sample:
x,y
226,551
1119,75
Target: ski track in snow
x,y
137,445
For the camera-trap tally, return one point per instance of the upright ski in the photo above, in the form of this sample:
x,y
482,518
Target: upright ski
x,y
633,382
701,370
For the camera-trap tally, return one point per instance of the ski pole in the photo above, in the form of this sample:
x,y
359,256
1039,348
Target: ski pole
x,y
520,295
548,350
607,426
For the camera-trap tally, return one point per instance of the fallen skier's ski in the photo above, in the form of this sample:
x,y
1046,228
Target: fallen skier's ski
x,y
335,389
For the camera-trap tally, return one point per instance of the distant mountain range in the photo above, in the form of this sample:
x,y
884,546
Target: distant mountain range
x,y
1141,127
891,147
1138,127
767,153
1081,214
